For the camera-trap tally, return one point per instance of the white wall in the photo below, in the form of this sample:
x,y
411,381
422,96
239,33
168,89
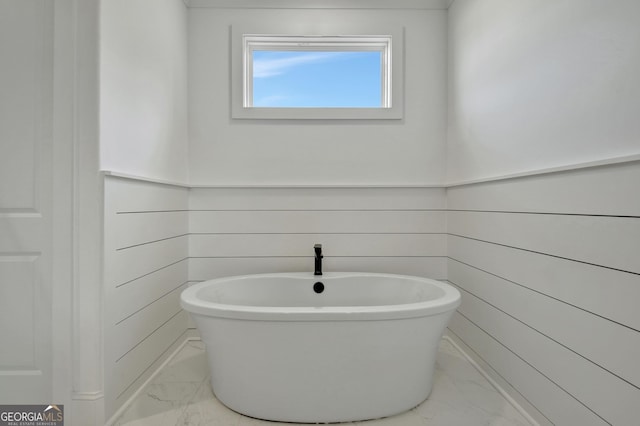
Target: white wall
x,y
259,230
547,264
159,236
226,151
541,84
143,88
143,132
549,274
146,249
246,230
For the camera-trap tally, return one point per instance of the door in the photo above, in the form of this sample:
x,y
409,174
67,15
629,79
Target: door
x,y
26,188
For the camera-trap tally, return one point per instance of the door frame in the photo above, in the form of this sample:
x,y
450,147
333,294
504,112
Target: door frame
x,y
77,214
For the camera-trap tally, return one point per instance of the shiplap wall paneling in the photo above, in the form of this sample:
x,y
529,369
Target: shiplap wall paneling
x,y
146,268
201,269
569,326
317,198
507,389
574,283
549,288
317,222
598,390
607,241
558,407
252,230
292,245
604,190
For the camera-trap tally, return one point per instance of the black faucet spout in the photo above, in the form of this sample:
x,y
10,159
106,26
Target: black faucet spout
x,y
318,260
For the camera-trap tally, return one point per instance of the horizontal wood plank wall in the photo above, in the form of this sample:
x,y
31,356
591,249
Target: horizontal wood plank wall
x,y
253,230
549,270
146,261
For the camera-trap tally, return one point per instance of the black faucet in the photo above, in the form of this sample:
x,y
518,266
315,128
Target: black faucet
x,y
318,261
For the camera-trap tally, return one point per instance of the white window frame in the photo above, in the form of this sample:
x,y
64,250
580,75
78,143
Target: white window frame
x,y
254,42
244,44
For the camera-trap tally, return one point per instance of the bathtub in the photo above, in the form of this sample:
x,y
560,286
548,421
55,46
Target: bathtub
x,y
294,347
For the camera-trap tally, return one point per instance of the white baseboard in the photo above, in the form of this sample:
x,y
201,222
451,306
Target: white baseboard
x,y
189,335
87,408
501,390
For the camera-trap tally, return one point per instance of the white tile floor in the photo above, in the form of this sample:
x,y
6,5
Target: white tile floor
x,y
181,395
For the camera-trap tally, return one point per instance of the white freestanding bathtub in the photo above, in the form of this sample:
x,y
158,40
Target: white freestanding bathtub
x,y
294,347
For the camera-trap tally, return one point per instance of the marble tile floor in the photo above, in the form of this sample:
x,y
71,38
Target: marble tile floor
x,y
181,395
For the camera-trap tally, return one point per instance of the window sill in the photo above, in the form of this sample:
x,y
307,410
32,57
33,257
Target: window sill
x,y
317,113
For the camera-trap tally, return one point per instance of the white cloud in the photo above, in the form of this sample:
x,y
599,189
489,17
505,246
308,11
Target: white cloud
x,y
263,68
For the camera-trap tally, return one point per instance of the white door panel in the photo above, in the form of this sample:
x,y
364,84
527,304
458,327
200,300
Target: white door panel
x,y
26,49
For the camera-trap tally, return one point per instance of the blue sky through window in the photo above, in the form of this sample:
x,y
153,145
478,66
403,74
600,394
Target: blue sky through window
x,y
317,79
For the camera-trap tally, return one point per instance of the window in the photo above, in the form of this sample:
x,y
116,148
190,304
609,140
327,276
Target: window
x,y
315,77
317,72
325,79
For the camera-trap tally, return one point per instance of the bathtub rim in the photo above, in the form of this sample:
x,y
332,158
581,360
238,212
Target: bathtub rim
x,y
448,302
